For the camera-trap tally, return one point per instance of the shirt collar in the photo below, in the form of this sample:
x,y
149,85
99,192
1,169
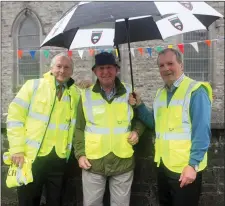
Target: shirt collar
x,y
64,84
110,94
176,83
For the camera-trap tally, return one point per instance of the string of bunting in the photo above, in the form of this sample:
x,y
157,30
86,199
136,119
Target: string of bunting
x,y
141,50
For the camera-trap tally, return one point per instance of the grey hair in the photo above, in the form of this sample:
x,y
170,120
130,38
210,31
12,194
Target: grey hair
x,y
176,52
62,54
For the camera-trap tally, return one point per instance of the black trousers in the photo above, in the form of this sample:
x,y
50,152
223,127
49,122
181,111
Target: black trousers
x,y
48,171
170,193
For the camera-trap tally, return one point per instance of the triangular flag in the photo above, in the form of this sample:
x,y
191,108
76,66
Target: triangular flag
x,y
132,51
81,52
208,42
170,46
110,50
116,51
32,53
141,50
102,50
20,53
149,50
181,47
46,53
91,52
158,48
70,53
195,45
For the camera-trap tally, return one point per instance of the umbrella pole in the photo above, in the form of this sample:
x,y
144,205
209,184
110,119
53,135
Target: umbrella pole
x,y
128,42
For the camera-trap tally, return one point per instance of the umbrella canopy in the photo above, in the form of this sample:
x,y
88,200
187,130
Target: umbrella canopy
x,y
148,21
100,24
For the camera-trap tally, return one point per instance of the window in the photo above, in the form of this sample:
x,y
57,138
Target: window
x,y
28,39
197,64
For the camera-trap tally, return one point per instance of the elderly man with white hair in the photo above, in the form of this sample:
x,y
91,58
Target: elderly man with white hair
x,y
40,126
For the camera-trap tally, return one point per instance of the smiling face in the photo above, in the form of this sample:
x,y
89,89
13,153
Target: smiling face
x,y
62,69
106,75
170,69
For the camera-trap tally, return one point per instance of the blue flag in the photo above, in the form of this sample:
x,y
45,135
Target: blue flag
x,y
149,50
32,53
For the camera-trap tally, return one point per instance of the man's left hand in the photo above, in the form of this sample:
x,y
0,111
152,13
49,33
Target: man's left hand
x,y
187,176
133,138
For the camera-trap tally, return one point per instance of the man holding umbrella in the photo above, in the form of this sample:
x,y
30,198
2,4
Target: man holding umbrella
x,y
181,119
104,135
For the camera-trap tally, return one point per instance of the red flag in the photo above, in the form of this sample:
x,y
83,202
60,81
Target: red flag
x,y
208,42
70,53
20,53
141,50
181,47
92,52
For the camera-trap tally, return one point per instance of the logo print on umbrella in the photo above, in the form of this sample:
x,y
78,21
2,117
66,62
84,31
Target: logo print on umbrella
x,y
96,36
176,23
187,5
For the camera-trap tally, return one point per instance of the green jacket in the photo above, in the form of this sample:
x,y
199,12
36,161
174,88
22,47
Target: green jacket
x,y
110,164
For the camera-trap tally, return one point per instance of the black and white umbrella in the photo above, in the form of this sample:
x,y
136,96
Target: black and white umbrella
x,y
100,24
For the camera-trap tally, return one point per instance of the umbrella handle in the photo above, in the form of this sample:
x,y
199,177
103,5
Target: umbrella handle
x,y
134,95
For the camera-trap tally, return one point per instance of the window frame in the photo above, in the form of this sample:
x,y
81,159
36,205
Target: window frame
x,y
14,34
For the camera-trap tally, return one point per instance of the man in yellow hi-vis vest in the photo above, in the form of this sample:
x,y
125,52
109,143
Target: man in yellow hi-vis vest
x,y
104,135
40,126
181,117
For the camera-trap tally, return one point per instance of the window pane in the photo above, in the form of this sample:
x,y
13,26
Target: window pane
x,y
28,39
28,67
28,27
196,64
27,42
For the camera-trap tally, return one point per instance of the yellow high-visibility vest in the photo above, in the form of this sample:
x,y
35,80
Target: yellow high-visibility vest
x,y
29,116
17,176
173,126
107,125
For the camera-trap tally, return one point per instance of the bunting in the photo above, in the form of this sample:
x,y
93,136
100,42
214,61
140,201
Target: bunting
x,y
81,52
181,48
91,52
46,53
149,50
208,42
32,53
159,48
132,52
195,46
141,50
70,53
20,53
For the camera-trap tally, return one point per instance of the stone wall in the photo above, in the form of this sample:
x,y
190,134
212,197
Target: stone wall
x,y
144,188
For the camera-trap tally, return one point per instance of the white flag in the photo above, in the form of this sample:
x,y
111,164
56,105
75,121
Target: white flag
x,y
81,52
195,45
132,51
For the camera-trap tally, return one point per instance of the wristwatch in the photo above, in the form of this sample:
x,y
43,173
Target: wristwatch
x,y
195,167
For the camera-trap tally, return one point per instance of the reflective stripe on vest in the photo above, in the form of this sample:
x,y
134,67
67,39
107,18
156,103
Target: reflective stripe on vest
x,y
33,143
21,102
66,99
97,130
14,124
